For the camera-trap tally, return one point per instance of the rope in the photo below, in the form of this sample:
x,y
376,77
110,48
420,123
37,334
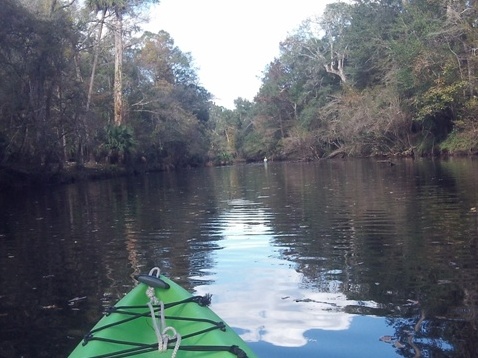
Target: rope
x,y
164,334
159,324
140,348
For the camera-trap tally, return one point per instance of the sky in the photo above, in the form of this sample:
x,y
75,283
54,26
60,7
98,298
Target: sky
x,y
286,314
231,41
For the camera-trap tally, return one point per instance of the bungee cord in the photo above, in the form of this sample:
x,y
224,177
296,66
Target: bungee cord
x,y
166,336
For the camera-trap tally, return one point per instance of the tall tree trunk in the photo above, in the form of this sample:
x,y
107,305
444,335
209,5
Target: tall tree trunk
x,y
118,87
95,60
84,136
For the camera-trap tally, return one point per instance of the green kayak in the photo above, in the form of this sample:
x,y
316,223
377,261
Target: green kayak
x,y
158,318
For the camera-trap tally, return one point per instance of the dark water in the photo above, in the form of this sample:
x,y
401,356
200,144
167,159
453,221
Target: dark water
x,y
330,259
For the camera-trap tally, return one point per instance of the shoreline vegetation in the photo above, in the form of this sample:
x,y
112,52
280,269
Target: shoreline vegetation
x,y
70,173
365,79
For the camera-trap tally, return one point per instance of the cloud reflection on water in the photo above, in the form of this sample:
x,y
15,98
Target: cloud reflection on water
x,y
262,295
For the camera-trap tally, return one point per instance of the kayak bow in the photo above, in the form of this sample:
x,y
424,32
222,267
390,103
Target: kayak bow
x,y
159,316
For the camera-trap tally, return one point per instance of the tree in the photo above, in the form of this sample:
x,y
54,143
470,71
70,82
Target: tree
x,y
276,111
222,131
37,99
324,40
169,109
99,7
368,38
119,8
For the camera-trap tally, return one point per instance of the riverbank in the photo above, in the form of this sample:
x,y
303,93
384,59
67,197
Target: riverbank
x,y
68,173
17,177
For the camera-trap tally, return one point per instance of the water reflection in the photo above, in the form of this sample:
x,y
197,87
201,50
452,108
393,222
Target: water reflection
x,y
300,257
256,290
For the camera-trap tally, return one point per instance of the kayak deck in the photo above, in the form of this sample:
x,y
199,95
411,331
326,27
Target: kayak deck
x,y
128,329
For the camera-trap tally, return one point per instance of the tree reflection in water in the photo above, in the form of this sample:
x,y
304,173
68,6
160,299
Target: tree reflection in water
x,y
338,250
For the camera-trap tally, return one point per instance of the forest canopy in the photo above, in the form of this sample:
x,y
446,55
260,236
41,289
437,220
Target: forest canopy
x,y
365,78
81,83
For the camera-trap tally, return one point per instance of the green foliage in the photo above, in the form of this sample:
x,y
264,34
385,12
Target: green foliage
x,y
37,98
463,138
439,98
119,138
365,78
367,40
255,147
458,142
116,143
223,158
402,61
170,110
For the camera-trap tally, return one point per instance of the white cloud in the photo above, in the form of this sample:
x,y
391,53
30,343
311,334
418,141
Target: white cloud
x,y
259,293
231,40
268,306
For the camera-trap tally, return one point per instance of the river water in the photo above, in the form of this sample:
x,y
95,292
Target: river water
x,y
353,258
